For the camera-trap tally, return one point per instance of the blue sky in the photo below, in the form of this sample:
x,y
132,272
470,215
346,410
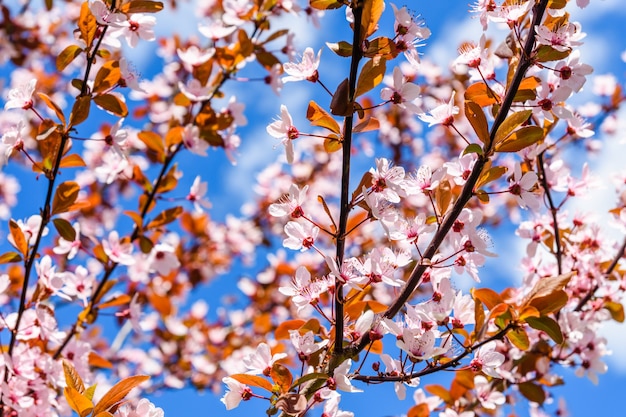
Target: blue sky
x,y
450,24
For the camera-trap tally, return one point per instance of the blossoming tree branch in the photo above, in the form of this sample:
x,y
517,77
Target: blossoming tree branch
x,y
384,200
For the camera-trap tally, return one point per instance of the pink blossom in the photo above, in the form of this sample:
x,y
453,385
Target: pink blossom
x,y
290,204
193,141
301,236
563,38
144,408
402,93
20,97
117,251
163,259
521,186
69,247
197,195
487,360
442,114
305,70
137,26
488,397
12,139
284,130
261,361
193,57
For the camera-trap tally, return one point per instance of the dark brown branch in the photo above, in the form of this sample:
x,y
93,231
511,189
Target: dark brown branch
x,y
553,210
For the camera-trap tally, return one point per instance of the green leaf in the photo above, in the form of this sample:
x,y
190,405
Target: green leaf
x,y
548,325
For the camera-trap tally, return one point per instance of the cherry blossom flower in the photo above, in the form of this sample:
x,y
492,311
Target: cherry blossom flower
x,y
49,278
21,96
402,93
419,344
69,247
521,186
79,284
305,70
163,259
305,344
393,367
442,114
577,126
194,90
30,228
301,235
137,26
331,406
261,361
487,360
302,291
193,57
12,139
144,408
117,251
550,102
117,138
572,73
291,204
284,130
236,392
341,378
419,396
405,23
449,412
197,195
411,230
563,38
387,180
193,141
103,13
488,397
215,29
129,77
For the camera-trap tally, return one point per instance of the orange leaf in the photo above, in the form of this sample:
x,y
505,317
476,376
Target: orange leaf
x,y
80,110
282,331
87,25
10,257
141,6
253,380
71,161
372,10
19,240
320,117
65,197
116,301
165,217
72,379
152,140
67,56
118,392
112,103
281,376
419,410
107,77
78,402
371,75
98,361
52,105
475,115
480,94
487,296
